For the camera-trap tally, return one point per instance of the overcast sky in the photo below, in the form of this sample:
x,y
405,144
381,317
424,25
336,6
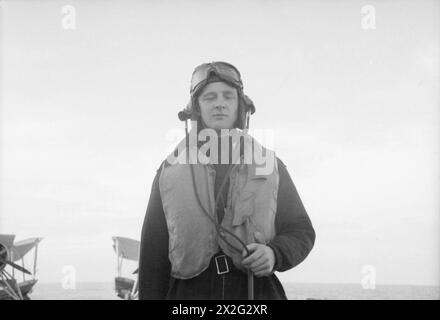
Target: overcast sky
x,y
86,116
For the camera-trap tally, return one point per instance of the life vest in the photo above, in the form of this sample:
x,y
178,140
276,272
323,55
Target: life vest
x,y
249,213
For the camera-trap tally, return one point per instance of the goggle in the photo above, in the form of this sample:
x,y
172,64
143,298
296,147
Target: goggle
x,y
223,70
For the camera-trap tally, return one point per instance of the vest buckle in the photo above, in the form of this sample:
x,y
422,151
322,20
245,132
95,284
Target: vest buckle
x,y
222,264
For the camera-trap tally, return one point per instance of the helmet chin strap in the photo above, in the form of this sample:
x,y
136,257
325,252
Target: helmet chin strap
x,y
250,275
187,140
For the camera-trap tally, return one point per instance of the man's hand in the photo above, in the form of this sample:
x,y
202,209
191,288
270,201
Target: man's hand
x,y
261,260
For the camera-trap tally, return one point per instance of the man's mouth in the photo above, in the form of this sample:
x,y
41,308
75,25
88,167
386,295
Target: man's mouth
x,y
221,115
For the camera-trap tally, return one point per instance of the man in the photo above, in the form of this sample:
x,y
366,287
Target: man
x,y
219,223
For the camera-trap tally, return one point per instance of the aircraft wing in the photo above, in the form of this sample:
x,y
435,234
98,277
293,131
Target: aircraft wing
x,y
21,248
127,248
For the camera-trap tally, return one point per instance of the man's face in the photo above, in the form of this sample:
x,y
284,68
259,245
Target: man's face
x,y
218,103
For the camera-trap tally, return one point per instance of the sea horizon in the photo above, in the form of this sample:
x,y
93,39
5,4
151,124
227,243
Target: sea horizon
x,y
294,291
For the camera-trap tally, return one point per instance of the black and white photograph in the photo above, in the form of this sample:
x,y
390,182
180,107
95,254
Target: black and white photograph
x,y
219,150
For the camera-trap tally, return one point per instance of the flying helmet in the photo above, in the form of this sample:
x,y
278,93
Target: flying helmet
x,y
213,72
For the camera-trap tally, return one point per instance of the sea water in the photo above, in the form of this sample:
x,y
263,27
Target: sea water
x,y
294,291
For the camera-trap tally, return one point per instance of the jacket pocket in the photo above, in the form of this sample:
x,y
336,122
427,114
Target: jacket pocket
x,y
244,208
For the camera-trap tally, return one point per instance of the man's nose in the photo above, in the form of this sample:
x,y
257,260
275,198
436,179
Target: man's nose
x,y
220,104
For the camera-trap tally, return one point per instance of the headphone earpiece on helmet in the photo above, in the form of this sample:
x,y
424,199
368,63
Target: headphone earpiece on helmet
x,y
249,104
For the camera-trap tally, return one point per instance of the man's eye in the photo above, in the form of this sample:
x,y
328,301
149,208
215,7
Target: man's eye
x,y
209,97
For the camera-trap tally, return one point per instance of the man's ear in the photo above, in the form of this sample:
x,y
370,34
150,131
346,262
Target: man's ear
x,y
241,115
195,110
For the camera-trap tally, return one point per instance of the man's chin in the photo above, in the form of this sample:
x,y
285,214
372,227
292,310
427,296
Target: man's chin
x,y
219,126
